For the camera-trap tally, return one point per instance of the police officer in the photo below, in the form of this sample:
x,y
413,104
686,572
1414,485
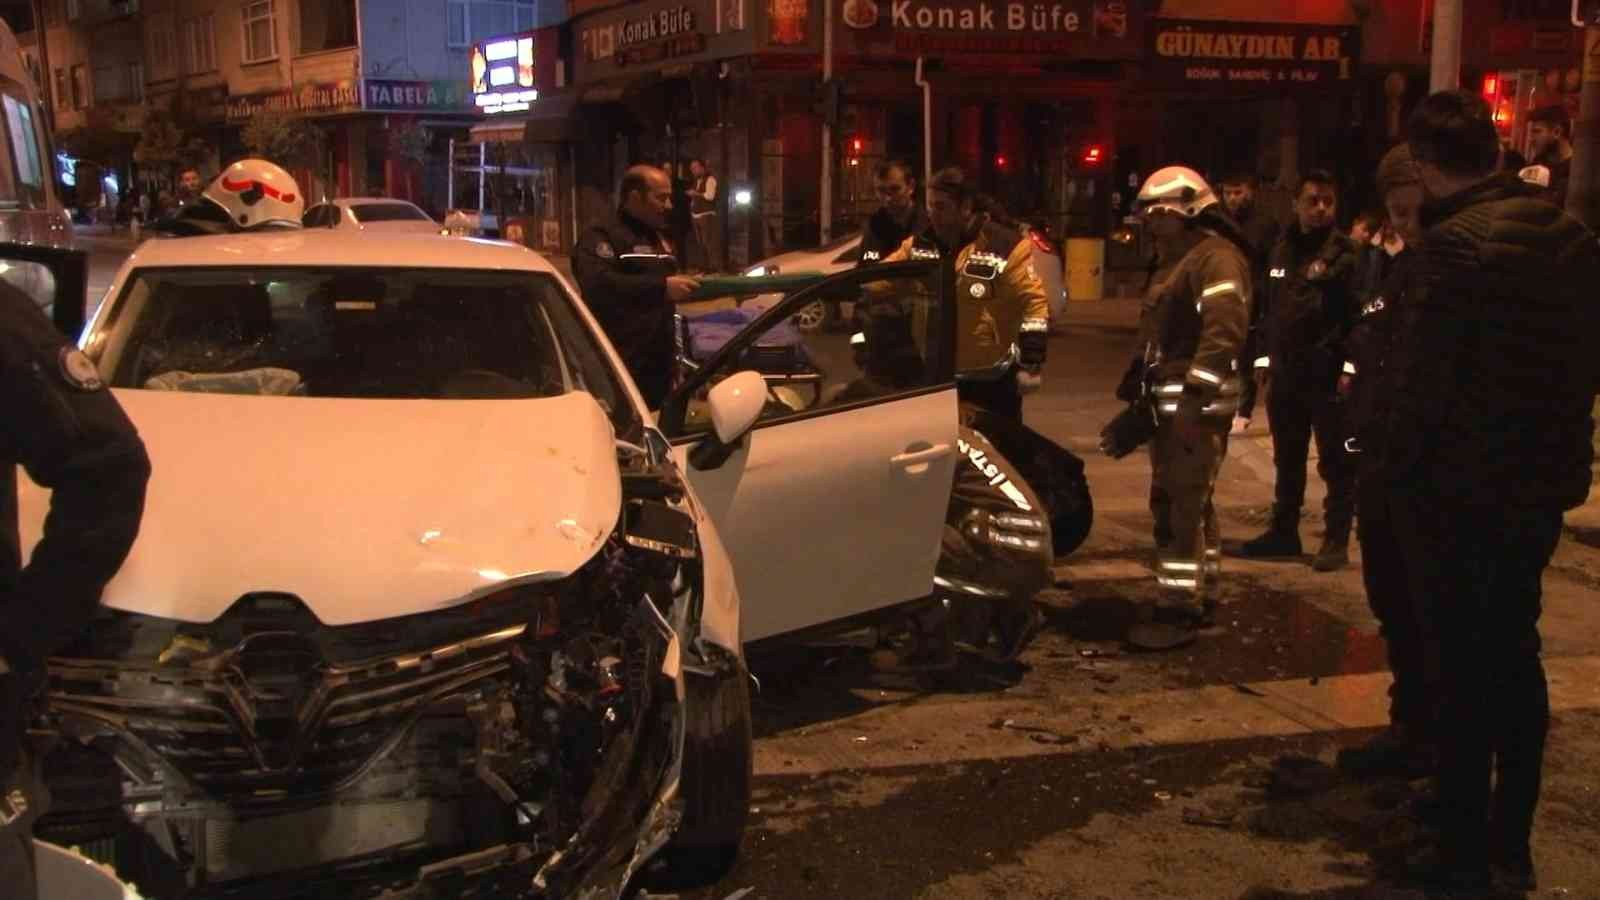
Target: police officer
x,y
1406,748
1261,229
999,300
67,431
1308,309
1191,331
627,270
899,216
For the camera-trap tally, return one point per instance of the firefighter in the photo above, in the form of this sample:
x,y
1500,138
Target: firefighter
x,y
1192,328
1308,309
70,435
627,271
998,298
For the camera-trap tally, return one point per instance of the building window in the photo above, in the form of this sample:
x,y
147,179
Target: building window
x,y
470,21
63,92
119,83
74,10
32,64
162,44
200,44
327,25
260,31
80,87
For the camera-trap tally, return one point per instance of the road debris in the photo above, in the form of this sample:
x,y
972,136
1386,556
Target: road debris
x,y
1163,796
862,739
1036,733
1247,689
740,894
1208,818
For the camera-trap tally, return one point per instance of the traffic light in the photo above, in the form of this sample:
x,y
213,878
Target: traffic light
x,y
1000,161
853,148
1093,155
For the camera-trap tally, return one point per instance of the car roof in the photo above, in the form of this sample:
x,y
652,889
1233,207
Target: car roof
x,y
330,247
351,201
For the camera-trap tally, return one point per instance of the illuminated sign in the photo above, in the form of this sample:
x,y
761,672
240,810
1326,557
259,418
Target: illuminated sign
x,y
502,74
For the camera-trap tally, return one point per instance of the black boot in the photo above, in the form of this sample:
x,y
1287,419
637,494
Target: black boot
x,y
1281,540
1334,555
1391,753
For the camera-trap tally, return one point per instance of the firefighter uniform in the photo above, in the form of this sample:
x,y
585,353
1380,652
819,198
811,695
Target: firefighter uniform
x,y
1306,313
1192,328
622,269
999,302
67,431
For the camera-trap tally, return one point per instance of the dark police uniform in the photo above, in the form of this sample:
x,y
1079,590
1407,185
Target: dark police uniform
x,y
1307,311
1384,548
622,270
884,234
1261,230
65,428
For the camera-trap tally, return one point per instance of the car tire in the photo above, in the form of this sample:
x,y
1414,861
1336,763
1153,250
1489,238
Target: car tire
x,y
718,764
813,316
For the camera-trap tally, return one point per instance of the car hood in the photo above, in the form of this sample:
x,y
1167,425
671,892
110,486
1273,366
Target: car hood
x,y
364,509
400,226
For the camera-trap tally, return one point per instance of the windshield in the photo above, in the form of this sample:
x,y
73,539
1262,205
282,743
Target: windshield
x,y
388,212
439,334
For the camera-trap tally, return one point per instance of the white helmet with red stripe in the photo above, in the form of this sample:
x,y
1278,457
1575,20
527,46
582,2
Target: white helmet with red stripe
x,y
257,193
1176,189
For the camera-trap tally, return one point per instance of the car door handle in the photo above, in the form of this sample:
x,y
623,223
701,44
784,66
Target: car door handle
x,y
912,458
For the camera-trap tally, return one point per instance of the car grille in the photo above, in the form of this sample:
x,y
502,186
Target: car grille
x,y
271,715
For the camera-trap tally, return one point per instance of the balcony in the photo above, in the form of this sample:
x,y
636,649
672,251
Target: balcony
x,y
90,13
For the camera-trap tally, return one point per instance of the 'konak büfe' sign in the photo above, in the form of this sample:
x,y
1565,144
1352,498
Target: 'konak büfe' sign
x,y
1251,56
1083,28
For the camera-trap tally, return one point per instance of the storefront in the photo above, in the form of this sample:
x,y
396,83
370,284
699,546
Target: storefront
x,y
667,82
511,175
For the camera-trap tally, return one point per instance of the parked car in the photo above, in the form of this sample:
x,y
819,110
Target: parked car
x,y
382,215
841,254
425,596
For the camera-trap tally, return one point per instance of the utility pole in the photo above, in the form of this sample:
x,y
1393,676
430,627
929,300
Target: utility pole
x,y
1444,71
827,126
1583,190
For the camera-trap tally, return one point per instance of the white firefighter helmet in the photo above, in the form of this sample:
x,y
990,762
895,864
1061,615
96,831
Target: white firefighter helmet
x,y
255,192
1176,189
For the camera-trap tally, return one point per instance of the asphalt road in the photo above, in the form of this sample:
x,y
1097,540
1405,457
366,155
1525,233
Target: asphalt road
x,y
1088,771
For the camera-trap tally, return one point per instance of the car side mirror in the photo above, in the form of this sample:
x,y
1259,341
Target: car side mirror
x,y
735,405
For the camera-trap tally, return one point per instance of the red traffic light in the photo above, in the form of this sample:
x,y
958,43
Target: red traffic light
x,y
1000,161
855,146
1093,155
1491,86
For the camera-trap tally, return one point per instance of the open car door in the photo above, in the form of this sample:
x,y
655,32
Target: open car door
x,y
832,504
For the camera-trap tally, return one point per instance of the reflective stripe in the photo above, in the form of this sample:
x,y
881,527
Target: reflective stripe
x,y
1174,387
1263,362
1039,325
1169,408
859,339
1206,375
1177,582
1179,566
1221,287
1214,552
1349,368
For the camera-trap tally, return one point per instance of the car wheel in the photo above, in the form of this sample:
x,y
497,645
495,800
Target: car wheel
x,y
715,784
812,317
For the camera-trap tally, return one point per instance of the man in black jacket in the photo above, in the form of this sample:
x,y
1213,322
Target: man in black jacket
x,y
63,426
1308,309
627,270
1407,747
900,215
1488,442
1261,229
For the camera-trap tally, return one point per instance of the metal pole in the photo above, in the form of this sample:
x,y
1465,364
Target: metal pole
x,y
827,127
1444,73
46,82
1583,190
927,126
450,179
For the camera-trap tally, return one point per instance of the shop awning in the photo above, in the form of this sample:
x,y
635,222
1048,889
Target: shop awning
x,y
497,131
551,120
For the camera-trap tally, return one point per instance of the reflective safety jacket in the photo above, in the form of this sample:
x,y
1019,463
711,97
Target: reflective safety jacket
x,y
1192,328
998,298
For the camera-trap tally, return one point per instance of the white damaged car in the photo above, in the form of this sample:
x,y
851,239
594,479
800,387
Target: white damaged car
x,y
425,599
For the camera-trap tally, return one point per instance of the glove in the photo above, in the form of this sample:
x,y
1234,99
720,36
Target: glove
x,y
1128,431
1029,382
1132,384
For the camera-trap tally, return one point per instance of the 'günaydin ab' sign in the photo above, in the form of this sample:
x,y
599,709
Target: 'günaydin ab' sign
x,y
1250,56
